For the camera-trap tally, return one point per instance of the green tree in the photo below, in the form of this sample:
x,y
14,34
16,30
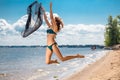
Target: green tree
x,y
108,32
112,33
118,28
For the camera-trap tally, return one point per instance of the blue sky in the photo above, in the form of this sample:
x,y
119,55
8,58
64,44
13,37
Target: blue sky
x,y
84,21
71,11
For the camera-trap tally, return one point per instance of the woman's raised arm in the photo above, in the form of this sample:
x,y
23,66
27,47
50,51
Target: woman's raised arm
x,y
45,17
51,16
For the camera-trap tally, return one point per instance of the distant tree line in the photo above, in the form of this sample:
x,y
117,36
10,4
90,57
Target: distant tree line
x,y
112,31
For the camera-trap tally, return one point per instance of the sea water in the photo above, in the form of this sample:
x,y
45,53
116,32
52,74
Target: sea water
x,y
28,63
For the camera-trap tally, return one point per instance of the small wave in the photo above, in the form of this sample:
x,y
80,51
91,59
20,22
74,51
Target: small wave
x,y
40,70
38,74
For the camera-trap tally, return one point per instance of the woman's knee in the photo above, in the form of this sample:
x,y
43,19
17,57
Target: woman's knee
x,y
62,59
47,62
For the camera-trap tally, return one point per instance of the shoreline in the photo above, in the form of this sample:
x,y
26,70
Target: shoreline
x,y
106,68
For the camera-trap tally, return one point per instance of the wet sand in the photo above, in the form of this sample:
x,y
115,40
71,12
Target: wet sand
x,y
107,68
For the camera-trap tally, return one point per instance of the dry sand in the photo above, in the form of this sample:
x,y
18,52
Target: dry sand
x,y
107,68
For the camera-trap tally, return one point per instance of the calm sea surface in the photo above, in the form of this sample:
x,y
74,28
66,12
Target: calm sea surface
x,y
28,63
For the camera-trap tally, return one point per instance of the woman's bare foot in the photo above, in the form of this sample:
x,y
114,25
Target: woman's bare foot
x,y
55,61
80,56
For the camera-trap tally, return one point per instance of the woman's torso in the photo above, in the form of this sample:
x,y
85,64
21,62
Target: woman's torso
x,y
50,36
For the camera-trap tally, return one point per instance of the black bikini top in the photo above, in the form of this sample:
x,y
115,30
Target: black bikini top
x,y
50,31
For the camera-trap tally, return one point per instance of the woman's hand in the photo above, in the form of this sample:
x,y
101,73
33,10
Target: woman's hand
x,y
43,9
50,4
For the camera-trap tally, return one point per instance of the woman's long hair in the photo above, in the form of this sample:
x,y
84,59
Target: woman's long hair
x,y
59,23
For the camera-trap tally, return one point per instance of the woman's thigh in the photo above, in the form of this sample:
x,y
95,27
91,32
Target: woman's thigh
x,y
48,54
57,51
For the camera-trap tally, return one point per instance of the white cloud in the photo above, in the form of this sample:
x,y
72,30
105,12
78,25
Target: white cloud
x,y
10,34
82,34
19,25
6,28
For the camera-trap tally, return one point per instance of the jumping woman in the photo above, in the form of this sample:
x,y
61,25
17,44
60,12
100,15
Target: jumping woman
x,y
53,28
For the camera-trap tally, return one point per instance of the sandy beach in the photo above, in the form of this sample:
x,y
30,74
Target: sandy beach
x,y
107,68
